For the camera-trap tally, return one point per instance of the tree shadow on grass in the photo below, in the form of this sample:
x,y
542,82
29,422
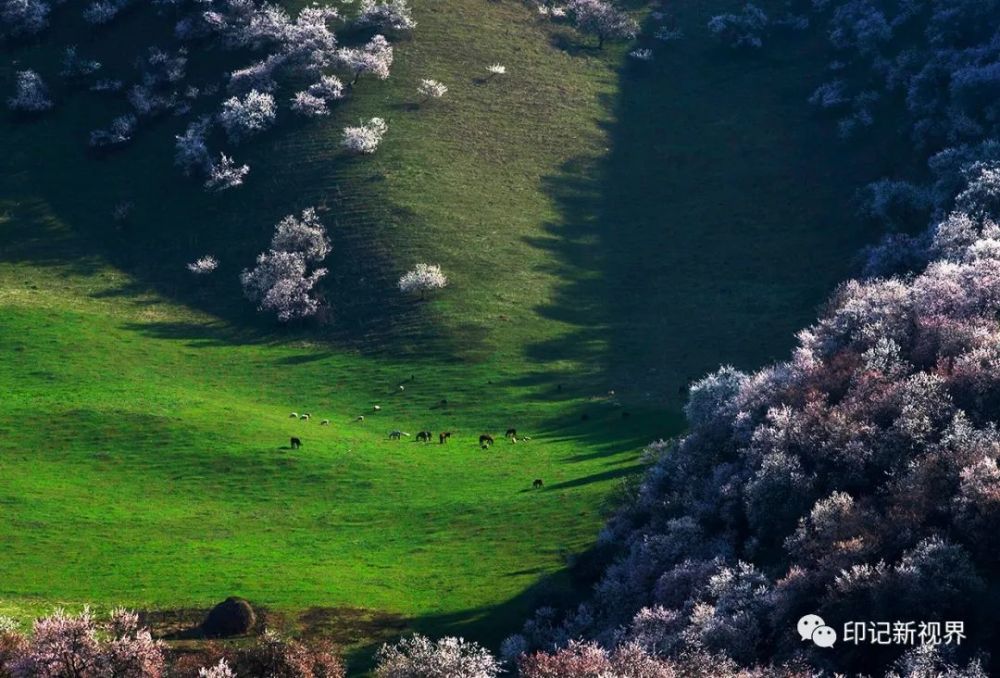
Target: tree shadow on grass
x,y
720,218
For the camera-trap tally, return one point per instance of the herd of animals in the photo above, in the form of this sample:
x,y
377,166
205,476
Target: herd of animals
x,y
485,440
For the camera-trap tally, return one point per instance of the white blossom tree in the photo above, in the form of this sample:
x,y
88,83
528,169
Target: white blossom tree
x,y
603,20
366,137
242,118
422,279
390,15
303,234
309,105
280,284
31,95
374,58
314,102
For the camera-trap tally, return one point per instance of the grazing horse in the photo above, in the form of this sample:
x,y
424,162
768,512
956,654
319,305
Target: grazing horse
x,y
296,443
425,436
537,484
511,433
394,435
485,440
442,437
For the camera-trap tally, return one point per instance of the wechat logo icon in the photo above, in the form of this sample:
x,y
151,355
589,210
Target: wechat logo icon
x,y
812,627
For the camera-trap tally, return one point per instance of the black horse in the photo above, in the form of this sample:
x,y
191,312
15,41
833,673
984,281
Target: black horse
x,y
296,443
444,436
485,440
537,484
511,432
424,436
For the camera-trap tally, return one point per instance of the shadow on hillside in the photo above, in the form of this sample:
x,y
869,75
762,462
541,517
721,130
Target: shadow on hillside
x,y
719,220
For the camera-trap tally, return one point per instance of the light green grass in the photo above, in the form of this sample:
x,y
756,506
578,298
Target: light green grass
x,y
604,227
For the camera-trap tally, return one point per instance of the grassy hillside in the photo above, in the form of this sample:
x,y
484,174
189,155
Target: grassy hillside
x,y
604,226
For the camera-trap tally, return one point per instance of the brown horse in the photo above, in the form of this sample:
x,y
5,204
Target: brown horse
x,y
485,440
442,437
510,432
424,436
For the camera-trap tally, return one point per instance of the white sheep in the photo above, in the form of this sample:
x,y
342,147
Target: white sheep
x,y
293,415
325,422
377,408
304,416
361,417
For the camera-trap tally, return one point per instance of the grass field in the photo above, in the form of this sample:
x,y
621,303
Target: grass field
x,y
605,227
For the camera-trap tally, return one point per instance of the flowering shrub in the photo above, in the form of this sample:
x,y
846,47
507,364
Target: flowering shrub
x,y
431,89
250,115
420,657
204,265
366,137
422,279
391,15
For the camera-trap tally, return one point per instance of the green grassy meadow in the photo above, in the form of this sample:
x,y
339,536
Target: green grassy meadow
x,y
605,226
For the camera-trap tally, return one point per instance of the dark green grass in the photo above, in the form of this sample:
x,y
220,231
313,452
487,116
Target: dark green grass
x,y
604,226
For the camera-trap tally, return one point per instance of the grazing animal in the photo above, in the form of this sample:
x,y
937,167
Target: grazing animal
x,y
485,440
442,437
402,388
511,432
296,443
425,436
395,435
537,484
376,408
304,416
293,415
361,417
325,422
